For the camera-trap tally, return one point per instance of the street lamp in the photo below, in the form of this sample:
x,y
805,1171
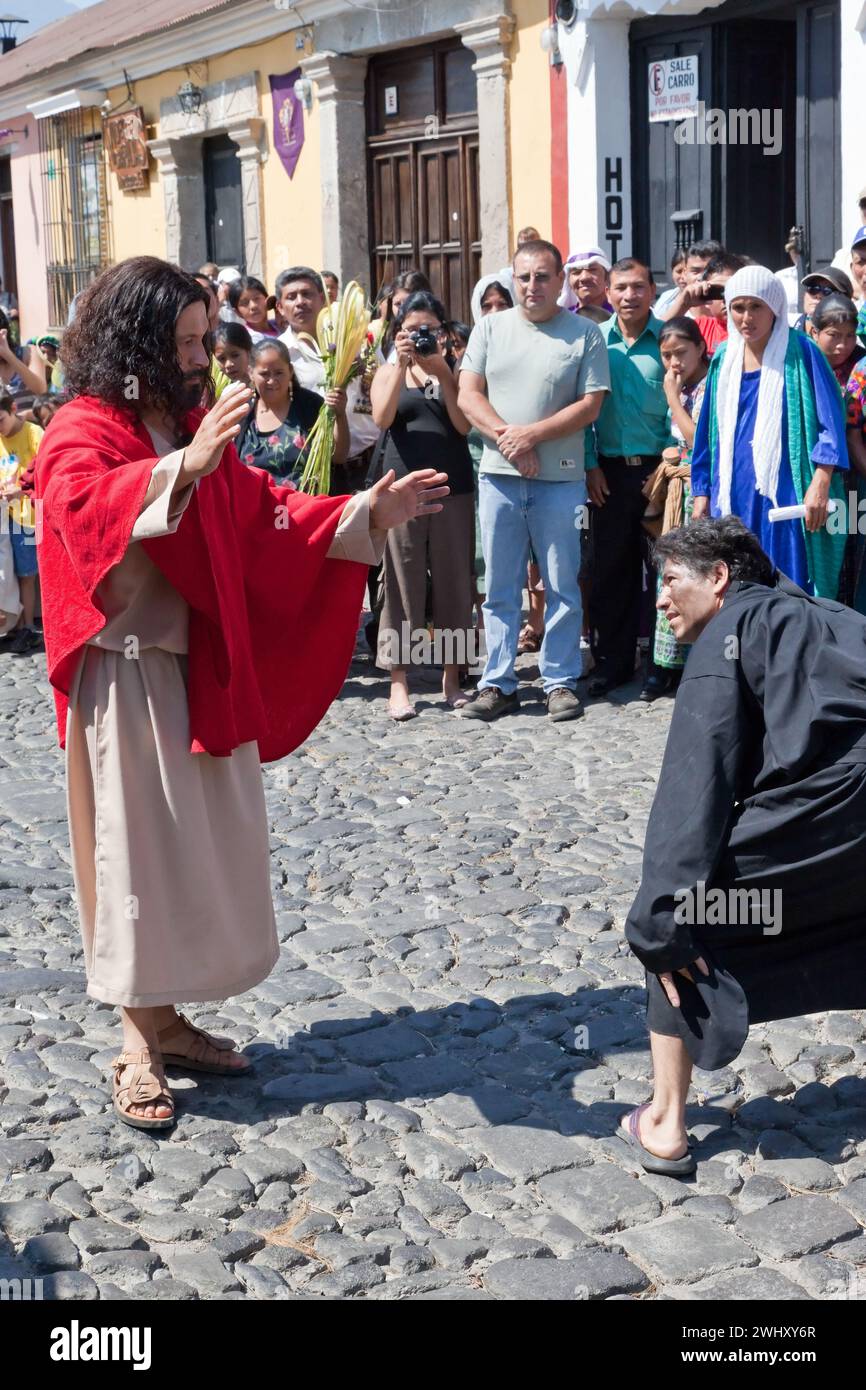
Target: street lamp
x,y
189,96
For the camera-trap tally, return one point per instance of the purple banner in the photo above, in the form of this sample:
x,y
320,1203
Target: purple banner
x,y
288,119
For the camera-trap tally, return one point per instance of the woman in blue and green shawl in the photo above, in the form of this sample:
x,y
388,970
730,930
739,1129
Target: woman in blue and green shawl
x,y
772,434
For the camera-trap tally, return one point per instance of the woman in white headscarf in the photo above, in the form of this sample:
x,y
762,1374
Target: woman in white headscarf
x,y
772,434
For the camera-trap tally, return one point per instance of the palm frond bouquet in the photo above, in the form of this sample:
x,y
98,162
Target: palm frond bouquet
x,y
341,334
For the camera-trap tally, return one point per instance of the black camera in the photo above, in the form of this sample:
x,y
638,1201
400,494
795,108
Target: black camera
x,y
424,341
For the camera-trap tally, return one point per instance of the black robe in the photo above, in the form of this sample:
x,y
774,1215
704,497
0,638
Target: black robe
x,y
763,786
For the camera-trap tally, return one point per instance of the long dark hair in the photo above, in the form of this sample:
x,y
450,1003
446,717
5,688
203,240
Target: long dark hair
x,y
422,302
412,280
234,335
683,327
121,344
247,282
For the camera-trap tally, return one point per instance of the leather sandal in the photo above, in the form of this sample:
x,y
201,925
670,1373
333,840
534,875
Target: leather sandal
x,y
143,1083
196,1059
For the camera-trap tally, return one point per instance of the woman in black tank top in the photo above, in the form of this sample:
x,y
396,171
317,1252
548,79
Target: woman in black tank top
x,y
415,400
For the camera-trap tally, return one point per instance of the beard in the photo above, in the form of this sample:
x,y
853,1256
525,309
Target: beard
x,y
194,387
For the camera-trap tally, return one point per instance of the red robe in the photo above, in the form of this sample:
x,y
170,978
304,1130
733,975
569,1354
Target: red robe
x,y
272,622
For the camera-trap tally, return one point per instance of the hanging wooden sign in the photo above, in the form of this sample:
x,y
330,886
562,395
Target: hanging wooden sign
x,y
126,147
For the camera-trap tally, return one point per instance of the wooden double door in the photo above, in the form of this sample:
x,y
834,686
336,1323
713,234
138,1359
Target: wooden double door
x,y
423,171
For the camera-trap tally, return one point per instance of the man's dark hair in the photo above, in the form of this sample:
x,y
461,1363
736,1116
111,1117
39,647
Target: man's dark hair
x,y
422,301
705,250
724,261
7,402
702,544
834,311
630,263
124,331
540,248
299,272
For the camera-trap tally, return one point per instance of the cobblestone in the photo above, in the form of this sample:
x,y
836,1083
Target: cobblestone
x,y
441,1055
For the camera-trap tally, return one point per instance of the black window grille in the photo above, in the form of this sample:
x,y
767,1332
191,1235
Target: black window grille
x,y
77,234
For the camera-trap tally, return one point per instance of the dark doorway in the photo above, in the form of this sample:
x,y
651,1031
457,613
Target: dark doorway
x,y
423,170
7,229
223,202
668,177
759,203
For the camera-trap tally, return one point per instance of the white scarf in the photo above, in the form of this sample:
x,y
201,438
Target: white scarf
x,y
753,282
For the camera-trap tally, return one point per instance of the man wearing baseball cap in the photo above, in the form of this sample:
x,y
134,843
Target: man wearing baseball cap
x,y
816,286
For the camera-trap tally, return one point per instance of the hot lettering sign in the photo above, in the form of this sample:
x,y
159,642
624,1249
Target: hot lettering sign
x,y
673,88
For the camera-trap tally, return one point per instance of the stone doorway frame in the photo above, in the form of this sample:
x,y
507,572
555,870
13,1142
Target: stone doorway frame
x,y
341,85
231,108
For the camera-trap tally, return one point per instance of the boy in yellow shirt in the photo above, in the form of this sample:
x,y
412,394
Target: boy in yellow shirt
x,y
19,441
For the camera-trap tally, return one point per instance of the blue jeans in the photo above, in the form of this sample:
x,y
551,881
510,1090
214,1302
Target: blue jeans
x,y
514,514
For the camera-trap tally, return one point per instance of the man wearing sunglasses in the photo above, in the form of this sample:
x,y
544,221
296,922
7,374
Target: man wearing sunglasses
x,y
816,287
532,380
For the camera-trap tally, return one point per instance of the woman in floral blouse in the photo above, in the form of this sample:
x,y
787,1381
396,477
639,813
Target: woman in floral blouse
x,y
281,415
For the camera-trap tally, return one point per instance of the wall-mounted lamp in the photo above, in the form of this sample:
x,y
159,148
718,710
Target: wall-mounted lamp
x,y
303,90
189,96
13,130
550,44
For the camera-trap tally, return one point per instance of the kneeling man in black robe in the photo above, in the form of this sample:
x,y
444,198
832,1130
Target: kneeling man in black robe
x,y
751,905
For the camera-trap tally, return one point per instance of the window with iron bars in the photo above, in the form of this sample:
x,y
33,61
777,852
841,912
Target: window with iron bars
x,y
77,235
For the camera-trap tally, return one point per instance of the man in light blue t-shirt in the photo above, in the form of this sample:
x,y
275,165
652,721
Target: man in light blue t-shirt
x,y
532,380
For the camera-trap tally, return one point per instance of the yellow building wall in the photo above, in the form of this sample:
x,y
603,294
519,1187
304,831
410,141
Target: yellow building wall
x,y
292,224
292,217
529,124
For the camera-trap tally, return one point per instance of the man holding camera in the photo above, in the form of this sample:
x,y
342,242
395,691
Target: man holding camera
x,y
532,380
703,298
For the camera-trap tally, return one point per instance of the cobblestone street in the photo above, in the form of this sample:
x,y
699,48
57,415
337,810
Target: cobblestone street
x,y
442,1054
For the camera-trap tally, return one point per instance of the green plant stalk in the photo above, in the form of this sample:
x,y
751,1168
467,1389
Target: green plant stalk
x,y
316,477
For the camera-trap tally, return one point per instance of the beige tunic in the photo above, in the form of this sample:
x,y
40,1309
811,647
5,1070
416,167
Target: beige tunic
x,y
170,849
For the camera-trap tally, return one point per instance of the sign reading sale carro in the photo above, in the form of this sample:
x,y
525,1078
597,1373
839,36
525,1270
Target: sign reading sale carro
x,y
673,88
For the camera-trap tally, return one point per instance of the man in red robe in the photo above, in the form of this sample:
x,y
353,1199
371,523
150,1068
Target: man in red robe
x,y
198,620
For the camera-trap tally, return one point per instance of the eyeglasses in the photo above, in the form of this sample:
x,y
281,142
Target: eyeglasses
x,y
541,277
821,290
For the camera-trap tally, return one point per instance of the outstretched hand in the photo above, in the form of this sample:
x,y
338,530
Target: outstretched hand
x,y
667,979
394,501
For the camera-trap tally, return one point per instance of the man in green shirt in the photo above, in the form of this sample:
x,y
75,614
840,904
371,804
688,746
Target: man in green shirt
x,y
630,433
